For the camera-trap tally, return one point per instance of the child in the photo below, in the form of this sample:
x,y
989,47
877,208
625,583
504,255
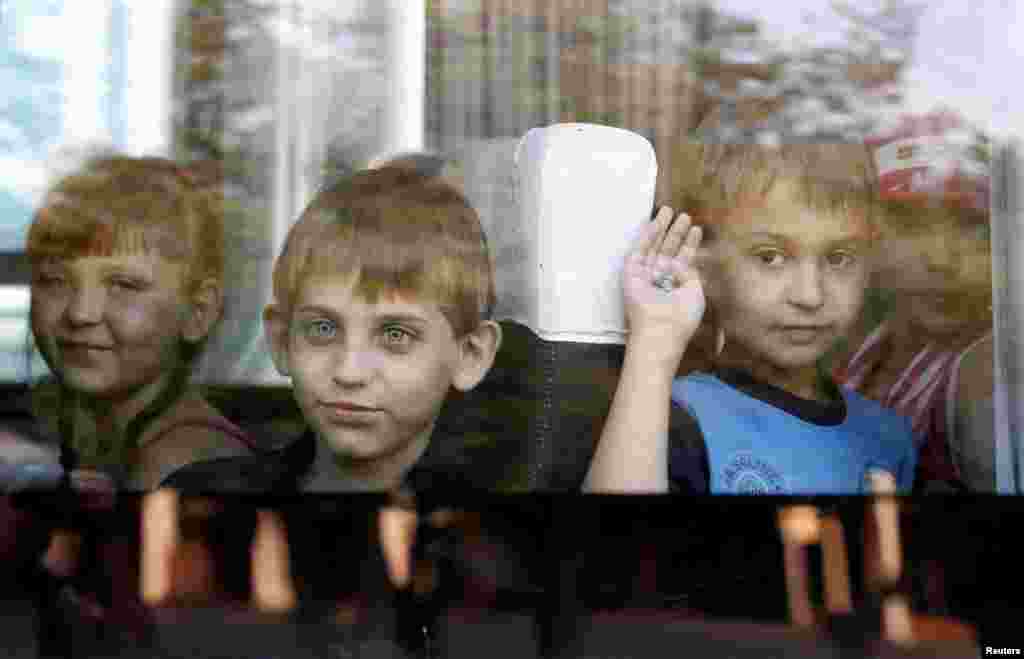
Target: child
x,y
931,358
382,296
788,232
127,266
381,301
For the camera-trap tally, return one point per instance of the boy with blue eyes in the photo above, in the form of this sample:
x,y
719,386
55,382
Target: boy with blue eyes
x,y
381,301
779,255
382,294
382,298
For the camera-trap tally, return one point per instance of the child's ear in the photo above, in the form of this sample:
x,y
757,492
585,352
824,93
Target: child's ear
x,y
275,328
205,307
477,350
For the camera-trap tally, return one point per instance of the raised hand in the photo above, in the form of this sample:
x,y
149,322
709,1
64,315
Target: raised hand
x,y
664,295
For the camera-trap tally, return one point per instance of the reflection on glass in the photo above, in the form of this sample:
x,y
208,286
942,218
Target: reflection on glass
x,y
272,97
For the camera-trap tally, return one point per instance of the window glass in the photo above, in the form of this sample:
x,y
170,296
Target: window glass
x,y
65,98
268,99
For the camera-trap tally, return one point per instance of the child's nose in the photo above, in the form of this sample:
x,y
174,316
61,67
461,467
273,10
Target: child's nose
x,y
807,288
352,365
86,305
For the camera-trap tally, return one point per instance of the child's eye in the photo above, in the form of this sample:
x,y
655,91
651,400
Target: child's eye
x,y
396,338
127,284
320,329
47,279
770,257
839,260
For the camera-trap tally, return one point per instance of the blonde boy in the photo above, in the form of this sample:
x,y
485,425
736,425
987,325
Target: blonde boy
x,y
382,297
381,301
787,239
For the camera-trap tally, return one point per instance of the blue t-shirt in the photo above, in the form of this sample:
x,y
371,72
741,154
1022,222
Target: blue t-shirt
x,y
754,447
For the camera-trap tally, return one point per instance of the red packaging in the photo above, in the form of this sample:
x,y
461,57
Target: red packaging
x,y
932,156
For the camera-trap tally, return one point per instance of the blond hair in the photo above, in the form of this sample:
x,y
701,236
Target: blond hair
x,y
711,181
393,231
118,204
123,205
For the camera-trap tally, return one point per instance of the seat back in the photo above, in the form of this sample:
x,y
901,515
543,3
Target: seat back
x,y
559,208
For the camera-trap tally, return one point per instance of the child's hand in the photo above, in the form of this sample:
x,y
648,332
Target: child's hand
x,y
664,296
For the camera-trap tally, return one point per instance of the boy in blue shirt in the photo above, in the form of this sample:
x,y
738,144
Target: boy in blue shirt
x,y
779,256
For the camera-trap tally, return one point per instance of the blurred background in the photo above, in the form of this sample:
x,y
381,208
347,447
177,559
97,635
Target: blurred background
x,y
267,99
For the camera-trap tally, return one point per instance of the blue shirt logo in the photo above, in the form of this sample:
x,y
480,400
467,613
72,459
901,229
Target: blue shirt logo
x,y
745,473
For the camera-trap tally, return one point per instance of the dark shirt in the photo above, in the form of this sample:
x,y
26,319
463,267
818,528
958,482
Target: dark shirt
x,y
284,471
